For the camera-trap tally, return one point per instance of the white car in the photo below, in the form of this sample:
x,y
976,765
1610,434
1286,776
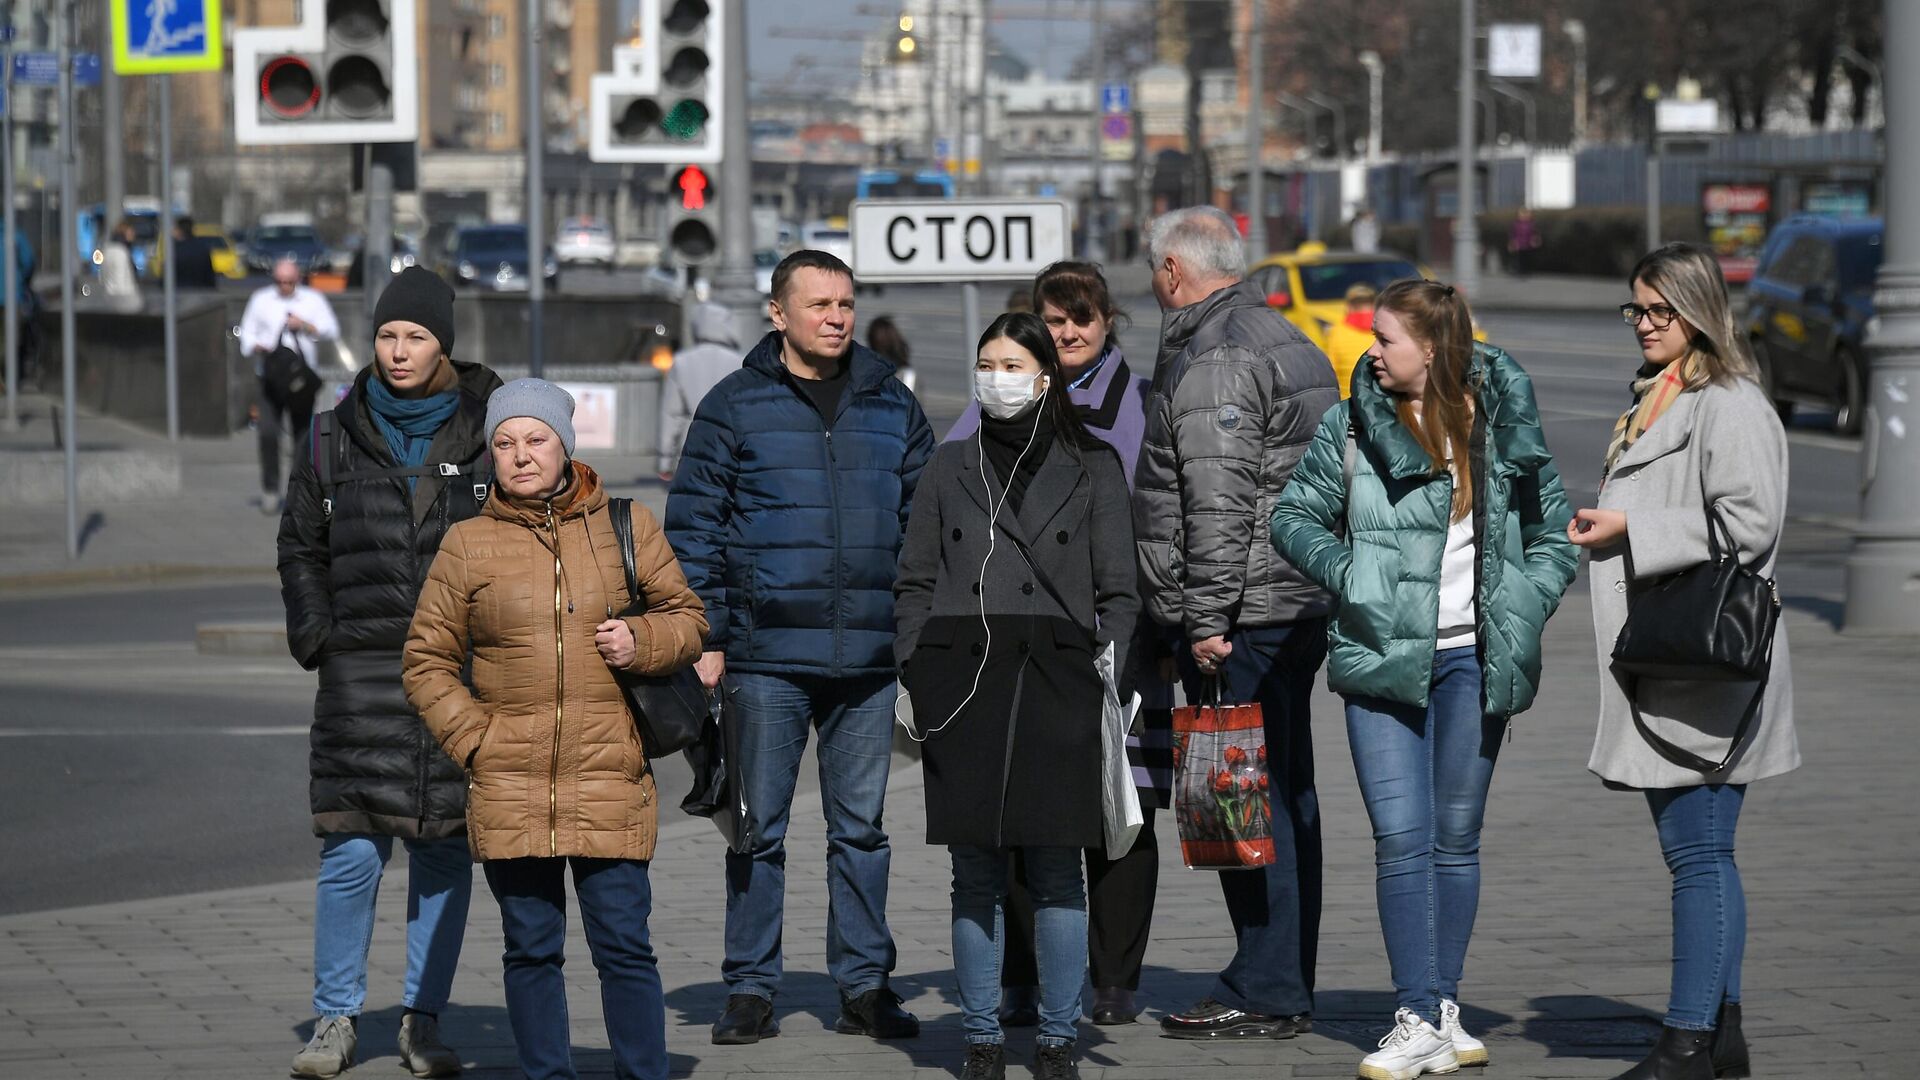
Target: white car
x,y
584,240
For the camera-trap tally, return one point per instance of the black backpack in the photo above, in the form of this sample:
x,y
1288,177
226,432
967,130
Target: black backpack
x,y
329,449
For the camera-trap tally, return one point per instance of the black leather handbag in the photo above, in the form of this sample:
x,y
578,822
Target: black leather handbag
x,y
286,373
1708,623
668,709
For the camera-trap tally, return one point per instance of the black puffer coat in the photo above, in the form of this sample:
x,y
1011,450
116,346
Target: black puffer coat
x,y
350,581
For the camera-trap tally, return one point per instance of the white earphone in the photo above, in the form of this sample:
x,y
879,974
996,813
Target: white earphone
x,y
902,703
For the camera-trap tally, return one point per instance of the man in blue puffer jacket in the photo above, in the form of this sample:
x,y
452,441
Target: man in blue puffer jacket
x,y
787,514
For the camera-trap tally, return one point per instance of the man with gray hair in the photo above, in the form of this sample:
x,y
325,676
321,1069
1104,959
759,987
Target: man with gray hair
x,y
1237,396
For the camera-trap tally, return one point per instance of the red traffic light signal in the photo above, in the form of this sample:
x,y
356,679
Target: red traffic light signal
x,y
692,183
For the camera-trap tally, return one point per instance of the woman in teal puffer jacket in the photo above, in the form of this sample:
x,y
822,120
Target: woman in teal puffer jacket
x,y
1429,506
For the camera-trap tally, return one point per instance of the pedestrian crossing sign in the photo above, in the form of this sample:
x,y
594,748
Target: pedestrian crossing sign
x,y
159,37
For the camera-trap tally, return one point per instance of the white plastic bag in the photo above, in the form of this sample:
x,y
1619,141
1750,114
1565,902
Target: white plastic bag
x,y
1119,801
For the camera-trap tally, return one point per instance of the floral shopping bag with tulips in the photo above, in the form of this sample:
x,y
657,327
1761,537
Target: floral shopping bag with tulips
x,y
1220,797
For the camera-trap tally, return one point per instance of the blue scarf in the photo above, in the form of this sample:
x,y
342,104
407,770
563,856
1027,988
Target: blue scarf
x,y
409,424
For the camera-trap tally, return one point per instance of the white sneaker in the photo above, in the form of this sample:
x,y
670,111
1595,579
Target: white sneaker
x,y
1469,1050
1413,1048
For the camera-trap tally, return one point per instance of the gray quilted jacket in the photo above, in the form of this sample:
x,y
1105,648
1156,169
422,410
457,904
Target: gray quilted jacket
x,y
1236,398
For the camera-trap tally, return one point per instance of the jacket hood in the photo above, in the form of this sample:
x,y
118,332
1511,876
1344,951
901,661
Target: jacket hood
x,y
1503,393
866,369
583,496
711,324
1178,326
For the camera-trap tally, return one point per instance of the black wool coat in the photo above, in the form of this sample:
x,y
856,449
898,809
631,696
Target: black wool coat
x,y
350,581
1015,762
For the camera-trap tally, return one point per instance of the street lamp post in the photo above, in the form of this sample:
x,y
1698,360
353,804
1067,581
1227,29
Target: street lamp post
x,y
1883,573
1466,227
1376,74
1096,107
1256,133
1576,32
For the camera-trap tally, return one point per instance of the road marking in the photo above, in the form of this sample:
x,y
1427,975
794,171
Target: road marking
x,y
121,733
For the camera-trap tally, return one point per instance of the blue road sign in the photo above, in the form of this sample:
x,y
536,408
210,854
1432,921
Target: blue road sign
x,y
86,69
154,37
1116,98
36,68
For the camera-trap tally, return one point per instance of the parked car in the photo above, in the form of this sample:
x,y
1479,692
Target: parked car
x,y
1808,306
585,240
401,256
226,259
270,243
494,257
763,264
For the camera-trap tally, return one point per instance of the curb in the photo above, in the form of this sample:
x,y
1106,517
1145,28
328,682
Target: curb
x,y
241,639
138,574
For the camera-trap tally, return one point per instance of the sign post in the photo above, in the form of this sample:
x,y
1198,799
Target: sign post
x,y
939,240
160,39
13,283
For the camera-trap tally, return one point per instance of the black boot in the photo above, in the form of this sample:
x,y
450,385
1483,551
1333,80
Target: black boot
x,y
1679,1055
747,1019
1729,1045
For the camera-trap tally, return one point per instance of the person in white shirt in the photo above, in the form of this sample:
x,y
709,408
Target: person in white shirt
x,y
295,315
117,281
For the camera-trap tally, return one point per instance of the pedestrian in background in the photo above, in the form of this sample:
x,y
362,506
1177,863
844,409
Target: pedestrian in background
x,y
1351,338
886,339
192,259
1236,398
558,780
1701,438
353,552
118,282
1365,231
788,512
1082,319
1523,240
1429,507
285,314
1020,299
1002,674
715,355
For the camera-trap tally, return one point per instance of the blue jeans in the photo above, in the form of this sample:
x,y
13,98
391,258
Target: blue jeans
x,y
1059,936
855,719
1276,909
439,884
1709,907
1424,775
615,899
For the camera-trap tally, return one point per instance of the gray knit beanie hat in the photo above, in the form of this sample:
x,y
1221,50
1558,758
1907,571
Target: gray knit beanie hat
x,y
536,398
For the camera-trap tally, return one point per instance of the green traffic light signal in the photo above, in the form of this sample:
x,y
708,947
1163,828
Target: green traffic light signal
x,y
685,120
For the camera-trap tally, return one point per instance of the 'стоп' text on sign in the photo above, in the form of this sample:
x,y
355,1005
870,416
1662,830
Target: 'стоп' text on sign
x,y
944,240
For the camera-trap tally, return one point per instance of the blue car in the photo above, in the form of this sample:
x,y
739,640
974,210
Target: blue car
x,y
1808,307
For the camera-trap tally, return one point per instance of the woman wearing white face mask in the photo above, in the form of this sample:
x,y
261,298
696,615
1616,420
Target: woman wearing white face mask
x,y
1017,570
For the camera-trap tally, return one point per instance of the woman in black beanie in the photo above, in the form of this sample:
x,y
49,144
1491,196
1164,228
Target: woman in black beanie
x,y
390,469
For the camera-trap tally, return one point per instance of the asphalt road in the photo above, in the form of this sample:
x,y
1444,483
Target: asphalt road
x,y
131,766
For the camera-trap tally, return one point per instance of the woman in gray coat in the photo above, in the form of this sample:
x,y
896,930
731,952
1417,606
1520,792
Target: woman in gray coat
x,y
1699,434
1017,571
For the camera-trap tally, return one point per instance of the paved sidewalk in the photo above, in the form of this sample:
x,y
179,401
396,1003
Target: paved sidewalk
x,y
1566,978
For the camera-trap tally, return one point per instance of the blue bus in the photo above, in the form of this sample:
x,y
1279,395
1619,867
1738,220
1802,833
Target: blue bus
x,y
894,184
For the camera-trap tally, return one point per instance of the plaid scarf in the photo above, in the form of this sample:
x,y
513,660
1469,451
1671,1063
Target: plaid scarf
x,y
1654,389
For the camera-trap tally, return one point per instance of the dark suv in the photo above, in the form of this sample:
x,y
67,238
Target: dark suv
x,y
1807,313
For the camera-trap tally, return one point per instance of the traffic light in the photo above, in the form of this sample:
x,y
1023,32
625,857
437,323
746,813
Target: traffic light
x,y
345,73
661,103
690,233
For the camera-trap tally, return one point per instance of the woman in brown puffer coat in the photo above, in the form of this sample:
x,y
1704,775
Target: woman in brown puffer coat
x,y
556,775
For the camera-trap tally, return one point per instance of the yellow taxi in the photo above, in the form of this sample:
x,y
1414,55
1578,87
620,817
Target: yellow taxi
x,y
226,260
1309,286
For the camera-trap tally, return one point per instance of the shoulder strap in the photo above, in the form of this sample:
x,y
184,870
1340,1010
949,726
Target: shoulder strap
x,y
324,453
1685,758
620,516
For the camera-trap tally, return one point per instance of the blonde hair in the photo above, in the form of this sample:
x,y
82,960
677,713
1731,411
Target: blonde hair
x,y
1361,296
1688,278
1437,317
